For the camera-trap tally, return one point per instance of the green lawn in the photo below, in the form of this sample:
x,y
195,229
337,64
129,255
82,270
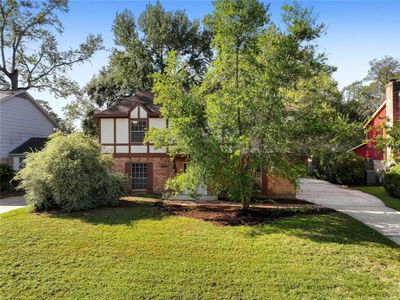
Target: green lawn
x,y
380,192
136,252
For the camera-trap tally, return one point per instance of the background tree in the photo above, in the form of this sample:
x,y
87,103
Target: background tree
x,y
27,23
141,47
320,124
239,119
362,98
63,125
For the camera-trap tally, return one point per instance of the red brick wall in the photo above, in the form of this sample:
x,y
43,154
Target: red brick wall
x,y
162,169
278,187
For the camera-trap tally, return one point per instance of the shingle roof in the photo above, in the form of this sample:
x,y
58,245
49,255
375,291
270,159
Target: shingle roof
x,y
31,145
6,94
123,108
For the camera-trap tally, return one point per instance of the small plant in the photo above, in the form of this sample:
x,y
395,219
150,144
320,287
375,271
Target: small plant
x,y
391,181
70,173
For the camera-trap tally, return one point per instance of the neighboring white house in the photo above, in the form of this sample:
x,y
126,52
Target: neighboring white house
x,y
24,126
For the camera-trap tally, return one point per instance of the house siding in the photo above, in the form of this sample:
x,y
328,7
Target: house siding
x,y
20,120
388,113
369,150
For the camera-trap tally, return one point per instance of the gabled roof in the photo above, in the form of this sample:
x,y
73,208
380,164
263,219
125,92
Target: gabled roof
x,y
376,113
7,95
4,95
144,98
31,145
356,147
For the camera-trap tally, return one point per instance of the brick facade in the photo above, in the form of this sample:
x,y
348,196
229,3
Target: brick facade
x,y
160,169
278,187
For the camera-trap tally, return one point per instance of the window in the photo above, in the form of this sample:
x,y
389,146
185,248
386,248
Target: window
x,y
138,130
257,183
139,177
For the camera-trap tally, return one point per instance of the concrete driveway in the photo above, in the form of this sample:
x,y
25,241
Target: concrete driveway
x,y
11,203
361,206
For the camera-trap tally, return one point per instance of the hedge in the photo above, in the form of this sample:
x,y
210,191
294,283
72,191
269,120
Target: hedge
x,y
343,168
391,181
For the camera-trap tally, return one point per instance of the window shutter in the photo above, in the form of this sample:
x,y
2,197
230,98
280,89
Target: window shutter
x,y
150,178
128,170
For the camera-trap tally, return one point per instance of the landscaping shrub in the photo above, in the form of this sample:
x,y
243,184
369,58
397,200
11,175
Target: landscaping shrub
x,y
391,182
70,173
6,175
343,168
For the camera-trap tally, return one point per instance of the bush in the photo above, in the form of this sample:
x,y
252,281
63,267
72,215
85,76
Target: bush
x,y
6,175
343,168
70,173
391,182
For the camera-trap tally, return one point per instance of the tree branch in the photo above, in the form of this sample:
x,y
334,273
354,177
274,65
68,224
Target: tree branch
x,y
57,66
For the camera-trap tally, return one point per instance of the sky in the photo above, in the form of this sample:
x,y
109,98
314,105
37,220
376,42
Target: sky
x,y
356,32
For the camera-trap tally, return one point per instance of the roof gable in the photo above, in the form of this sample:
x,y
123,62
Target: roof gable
x,y
9,95
376,113
144,99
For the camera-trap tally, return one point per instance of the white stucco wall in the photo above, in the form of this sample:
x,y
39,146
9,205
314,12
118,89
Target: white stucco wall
x,y
138,149
122,149
20,120
122,131
157,123
143,113
134,113
107,131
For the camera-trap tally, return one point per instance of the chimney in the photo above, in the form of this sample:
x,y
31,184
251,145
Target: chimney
x,y
392,101
392,107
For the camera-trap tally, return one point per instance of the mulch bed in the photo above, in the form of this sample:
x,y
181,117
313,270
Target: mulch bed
x,y
226,214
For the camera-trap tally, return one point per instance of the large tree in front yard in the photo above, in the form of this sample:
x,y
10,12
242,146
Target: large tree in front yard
x,y
241,118
29,52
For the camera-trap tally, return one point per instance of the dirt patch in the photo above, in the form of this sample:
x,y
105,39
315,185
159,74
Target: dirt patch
x,y
233,215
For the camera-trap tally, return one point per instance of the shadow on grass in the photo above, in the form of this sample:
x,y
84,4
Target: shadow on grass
x,y
127,213
332,228
320,228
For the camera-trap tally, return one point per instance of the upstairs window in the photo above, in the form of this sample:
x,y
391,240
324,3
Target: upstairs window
x,y
138,130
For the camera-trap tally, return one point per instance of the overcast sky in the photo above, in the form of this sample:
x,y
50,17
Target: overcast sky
x,y
357,32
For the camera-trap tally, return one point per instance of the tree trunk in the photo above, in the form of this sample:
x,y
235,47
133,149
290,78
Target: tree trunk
x,y
237,85
245,203
14,80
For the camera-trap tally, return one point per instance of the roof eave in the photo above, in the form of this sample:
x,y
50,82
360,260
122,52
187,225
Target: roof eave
x,y
375,114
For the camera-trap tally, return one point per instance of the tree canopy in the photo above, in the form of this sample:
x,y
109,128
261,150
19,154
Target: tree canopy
x,y
241,118
140,49
29,53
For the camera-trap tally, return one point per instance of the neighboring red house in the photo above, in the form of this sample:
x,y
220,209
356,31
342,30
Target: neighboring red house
x,y
122,128
389,111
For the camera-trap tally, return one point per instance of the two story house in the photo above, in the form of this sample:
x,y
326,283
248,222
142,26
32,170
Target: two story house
x,y
24,126
122,128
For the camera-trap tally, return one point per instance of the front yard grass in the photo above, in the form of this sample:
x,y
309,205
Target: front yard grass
x,y
381,193
137,251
